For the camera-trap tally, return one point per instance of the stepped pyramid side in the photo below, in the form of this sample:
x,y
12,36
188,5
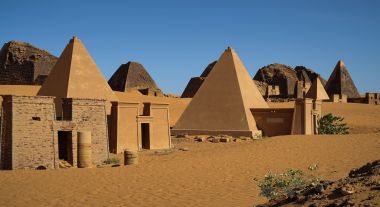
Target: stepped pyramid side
x,y
340,82
222,103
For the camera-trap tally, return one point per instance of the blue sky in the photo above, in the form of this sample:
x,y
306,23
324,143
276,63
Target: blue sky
x,y
175,40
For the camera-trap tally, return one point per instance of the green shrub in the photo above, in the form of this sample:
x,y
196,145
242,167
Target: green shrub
x,y
112,161
330,124
281,184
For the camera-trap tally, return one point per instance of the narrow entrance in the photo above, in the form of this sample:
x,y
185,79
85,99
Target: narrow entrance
x,y
65,146
145,136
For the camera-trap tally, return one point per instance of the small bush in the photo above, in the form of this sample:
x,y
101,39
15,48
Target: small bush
x,y
330,124
281,184
112,161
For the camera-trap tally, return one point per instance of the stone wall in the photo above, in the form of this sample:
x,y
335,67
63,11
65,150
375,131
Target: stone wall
x,y
89,115
28,132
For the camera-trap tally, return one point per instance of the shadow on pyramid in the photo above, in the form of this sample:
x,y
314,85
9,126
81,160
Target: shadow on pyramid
x,y
223,102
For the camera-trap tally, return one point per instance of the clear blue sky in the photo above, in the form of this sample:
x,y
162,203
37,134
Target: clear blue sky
x,y
175,40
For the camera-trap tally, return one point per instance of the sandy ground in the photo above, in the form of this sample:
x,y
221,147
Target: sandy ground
x,y
210,174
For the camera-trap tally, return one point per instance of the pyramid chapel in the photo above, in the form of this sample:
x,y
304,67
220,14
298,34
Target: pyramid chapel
x,y
223,103
76,119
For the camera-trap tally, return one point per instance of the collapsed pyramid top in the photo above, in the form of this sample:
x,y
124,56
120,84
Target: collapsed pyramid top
x,y
317,91
223,102
131,76
340,82
75,75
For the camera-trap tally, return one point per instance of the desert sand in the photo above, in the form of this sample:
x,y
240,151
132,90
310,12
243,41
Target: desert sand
x,y
209,174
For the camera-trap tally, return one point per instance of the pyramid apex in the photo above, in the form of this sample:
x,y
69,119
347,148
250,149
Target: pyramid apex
x,y
341,63
229,49
74,39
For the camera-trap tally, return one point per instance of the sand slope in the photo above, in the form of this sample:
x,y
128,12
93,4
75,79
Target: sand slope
x,y
208,175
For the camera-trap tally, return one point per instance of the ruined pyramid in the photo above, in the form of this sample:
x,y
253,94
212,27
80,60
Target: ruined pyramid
x,y
130,76
317,91
340,82
223,102
75,75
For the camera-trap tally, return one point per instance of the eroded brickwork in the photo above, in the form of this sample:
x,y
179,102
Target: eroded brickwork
x,y
30,131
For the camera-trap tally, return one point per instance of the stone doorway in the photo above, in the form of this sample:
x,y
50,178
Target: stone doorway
x,y
65,146
145,136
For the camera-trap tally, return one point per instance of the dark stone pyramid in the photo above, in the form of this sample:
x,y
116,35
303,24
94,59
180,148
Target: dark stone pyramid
x,y
340,82
195,82
132,76
23,64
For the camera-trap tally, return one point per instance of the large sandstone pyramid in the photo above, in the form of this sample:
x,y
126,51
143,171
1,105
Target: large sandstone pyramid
x,y
223,102
132,76
317,91
75,75
340,82
23,64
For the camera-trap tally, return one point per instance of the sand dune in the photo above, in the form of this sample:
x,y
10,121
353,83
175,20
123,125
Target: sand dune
x,y
208,175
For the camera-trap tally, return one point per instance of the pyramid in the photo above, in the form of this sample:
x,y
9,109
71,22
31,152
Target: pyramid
x,y
131,75
75,75
340,82
223,102
317,91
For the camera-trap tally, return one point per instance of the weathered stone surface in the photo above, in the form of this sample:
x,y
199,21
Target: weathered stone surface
x,y
262,86
278,74
340,82
23,64
133,76
312,75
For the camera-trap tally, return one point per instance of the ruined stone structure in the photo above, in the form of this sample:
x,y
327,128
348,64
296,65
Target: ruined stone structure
x,y
32,136
223,102
263,88
301,89
195,82
277,74
293,83
308,73
369,98
133,76
41,131
341,83
302,119
338,98
306,114
24,64
273,90
149,126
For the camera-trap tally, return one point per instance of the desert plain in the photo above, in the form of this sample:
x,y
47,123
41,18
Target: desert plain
x,y
205,174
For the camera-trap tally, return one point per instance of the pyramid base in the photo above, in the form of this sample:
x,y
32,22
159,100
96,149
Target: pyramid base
x,y
234,133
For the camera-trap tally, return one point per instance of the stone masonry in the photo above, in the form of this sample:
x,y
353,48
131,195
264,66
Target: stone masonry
x,y
29,130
